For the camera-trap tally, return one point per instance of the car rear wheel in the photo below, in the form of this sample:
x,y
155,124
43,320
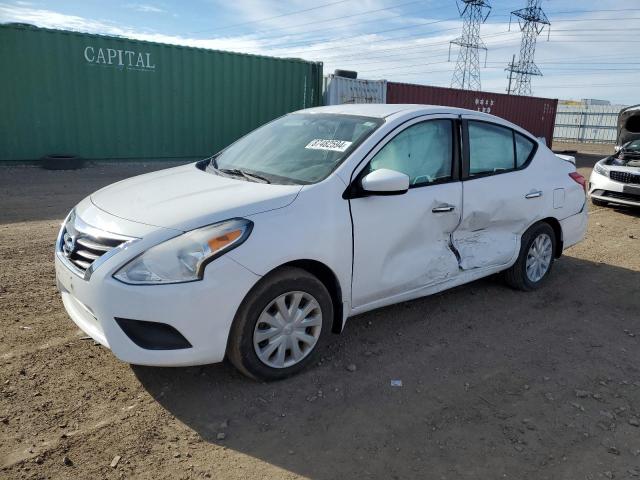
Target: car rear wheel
x,y
281,324
535,260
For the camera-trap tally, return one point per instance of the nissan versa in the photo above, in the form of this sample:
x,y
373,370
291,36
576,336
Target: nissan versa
x,y
262,250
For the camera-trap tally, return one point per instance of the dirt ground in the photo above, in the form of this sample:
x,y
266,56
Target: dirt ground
x,y
495,383
602,149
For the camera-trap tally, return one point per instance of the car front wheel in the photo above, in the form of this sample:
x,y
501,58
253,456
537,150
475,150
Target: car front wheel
x,y
535,259
281,324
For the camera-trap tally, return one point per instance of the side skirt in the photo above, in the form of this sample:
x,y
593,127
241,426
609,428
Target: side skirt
x,y
463,277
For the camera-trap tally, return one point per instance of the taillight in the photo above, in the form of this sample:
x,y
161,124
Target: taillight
x,y
579,179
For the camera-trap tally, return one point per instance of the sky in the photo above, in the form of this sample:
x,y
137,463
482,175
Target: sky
x,y
590,50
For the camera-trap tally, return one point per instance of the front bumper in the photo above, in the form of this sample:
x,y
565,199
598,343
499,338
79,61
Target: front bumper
x,y
201,311
603,188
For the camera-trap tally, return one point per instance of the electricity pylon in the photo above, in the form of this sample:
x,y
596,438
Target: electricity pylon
x,y
532,21
467,72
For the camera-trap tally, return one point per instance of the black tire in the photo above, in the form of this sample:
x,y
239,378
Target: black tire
x,y
61,162
240,348
516,276
599,203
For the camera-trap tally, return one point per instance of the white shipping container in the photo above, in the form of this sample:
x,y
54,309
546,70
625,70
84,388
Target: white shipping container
x,y
587,123
338,90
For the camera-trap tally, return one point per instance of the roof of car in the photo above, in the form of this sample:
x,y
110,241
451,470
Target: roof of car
x,y
382,110
409,110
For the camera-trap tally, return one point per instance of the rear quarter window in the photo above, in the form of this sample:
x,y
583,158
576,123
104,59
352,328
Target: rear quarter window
x,y
524,148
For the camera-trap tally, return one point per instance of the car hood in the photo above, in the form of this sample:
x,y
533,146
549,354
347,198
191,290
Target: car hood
x,y
186,197
624,164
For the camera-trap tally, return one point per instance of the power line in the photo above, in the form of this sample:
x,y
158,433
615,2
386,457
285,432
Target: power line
x,y
341,18
348,37
409,3
435,69
597,19
429,46
377,32
588,30
392,57
406,27
317,39
389,39
624,59
579,68
405,48
320,39
583,63
422,64
552,66
556,72
333,19
597,10
278,16
595,85
312,41
388,8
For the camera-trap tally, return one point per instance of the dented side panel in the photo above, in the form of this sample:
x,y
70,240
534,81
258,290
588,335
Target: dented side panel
x,y
495,213
496,210
400,244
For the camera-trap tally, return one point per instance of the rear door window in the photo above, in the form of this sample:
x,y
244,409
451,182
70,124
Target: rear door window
x,y
495,149
491,149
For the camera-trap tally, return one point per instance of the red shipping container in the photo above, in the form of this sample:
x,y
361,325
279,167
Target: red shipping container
x,y
534,114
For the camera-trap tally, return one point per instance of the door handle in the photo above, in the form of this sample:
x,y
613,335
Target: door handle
x,y
443,208
533,194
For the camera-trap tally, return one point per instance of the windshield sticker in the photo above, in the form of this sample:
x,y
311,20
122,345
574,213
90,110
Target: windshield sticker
x,y
332,145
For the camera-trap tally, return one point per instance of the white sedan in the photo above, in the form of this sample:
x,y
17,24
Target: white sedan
x,y
616,179
261,251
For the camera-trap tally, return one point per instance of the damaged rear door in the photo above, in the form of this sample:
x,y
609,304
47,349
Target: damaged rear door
x,y
502,196
402,242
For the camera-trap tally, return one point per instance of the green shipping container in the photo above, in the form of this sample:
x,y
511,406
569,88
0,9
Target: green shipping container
x,y
105,97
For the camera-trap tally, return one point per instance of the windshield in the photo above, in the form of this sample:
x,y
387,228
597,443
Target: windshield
x,y
633,146
299,148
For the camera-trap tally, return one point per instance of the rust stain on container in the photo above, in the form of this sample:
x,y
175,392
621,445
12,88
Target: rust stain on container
x,y
534,114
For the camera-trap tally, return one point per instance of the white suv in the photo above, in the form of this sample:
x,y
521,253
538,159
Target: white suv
x,y
262,250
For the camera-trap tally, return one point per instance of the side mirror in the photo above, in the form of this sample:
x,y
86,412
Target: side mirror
x,y
385,182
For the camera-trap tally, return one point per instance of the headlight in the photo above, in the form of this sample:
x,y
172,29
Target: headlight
x,y
183,258
599,168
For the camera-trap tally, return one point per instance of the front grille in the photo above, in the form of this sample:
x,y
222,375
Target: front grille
x,y
624,177
81,245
